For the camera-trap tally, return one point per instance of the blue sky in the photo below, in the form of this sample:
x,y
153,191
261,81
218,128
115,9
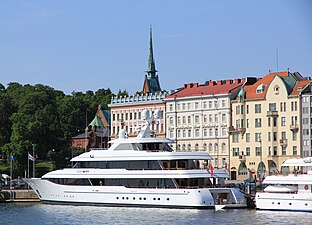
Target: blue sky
x,y
76,45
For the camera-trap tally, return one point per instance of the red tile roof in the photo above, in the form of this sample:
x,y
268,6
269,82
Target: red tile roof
x,y
211,87
299,86
251,89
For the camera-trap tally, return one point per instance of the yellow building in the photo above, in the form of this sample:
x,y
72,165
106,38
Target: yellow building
x,y
266,125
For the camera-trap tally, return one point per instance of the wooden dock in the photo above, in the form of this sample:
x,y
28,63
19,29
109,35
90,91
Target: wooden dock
x,y
18,196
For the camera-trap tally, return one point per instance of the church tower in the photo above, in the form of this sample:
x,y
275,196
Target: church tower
x,y
151,82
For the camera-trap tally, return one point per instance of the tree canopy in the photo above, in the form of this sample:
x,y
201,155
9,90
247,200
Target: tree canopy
x,y
37,117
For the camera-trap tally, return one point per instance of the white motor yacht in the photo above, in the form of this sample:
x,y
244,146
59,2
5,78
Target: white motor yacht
x,y
288,192
141,171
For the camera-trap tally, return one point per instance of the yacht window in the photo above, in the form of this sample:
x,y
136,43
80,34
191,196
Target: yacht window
x,y
124,146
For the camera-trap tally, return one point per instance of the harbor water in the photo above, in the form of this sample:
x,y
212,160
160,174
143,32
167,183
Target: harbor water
x,y
37,213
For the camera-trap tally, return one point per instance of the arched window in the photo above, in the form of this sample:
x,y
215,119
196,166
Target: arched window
x,y
260,89
196,147
216,148
179,147
205,147
183,147
223,148
189,147
210,148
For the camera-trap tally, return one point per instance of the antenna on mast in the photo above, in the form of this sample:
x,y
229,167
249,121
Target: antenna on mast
x,y
277,60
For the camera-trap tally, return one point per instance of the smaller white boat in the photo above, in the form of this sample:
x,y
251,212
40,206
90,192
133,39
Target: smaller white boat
x,y
292,192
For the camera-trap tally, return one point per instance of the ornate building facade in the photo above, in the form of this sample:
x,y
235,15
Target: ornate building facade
x,y
267,126
198,117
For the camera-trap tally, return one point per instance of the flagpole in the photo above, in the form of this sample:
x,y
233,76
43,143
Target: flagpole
x,y
33,161
11,172
27,164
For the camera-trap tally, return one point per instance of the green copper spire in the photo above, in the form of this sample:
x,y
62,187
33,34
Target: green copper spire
x,y
151,71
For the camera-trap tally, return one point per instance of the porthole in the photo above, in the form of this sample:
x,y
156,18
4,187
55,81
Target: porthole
x,y
169,199
306,204
272,203
144,198
133,198
154,199
123,198
158,199
117,197
127,198
140,198
278,203
289,203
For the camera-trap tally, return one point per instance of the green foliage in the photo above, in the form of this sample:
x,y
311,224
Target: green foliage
x,y
40,119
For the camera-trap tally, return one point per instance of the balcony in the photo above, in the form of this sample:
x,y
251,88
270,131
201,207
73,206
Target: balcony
x,y
283,142
272,113
233,130
242,158
294,127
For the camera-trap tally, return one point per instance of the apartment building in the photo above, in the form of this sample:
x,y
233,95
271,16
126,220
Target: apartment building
x,y
198,117
266,125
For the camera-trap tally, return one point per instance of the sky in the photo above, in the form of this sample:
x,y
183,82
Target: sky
x,y
77,45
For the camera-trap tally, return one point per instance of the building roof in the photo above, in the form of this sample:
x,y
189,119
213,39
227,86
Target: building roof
x,y
300,86
104,132
259,89
209,88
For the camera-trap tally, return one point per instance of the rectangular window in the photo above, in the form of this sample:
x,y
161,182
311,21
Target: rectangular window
x,y
294,136
258,137
196,119
189,119
235,151
283,150
235,138
247,109
223,103
275,152
189,133
274,136
295,152
305,110
224,133
196,105
183,106
170,107
258,122
183,120
247,137
179,120
274,121
210,118
204,104
237,110
283,121
216,118
223,118
258,151
247,151
272,107
210,104
269,121
258,108
247,123
269,136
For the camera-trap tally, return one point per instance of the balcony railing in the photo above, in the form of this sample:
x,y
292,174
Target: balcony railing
x,y
233,130
294,127
272,113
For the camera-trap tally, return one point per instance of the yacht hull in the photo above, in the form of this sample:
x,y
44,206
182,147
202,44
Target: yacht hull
x,y
284,201
49,192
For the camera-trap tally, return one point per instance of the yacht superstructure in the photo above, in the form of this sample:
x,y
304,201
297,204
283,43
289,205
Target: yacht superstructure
x,y
291,192
141,171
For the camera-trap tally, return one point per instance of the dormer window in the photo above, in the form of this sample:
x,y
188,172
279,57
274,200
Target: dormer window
x,y
260,89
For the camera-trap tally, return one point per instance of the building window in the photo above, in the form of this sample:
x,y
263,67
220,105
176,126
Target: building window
x,y
210,118
235,151
189,119
294,136
258,151
224,133
179,120
247,123
210,148
216,150
204,104
196,132
170,107
183,106
258,108
258,122
283,121
295,152
274,136
274,121
223,103
275,150
205,133
216,132
235,138
283,150
170,120
247,151
216,118
205,147
269,136
183,147
223,118
210,132
305,131
223,148
257,137
189,147
260,89
184,133
196,105
196,119
269,121
272,107
247,137
179,133
205,119
196,147
210,104
305,110
171,134
188,105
